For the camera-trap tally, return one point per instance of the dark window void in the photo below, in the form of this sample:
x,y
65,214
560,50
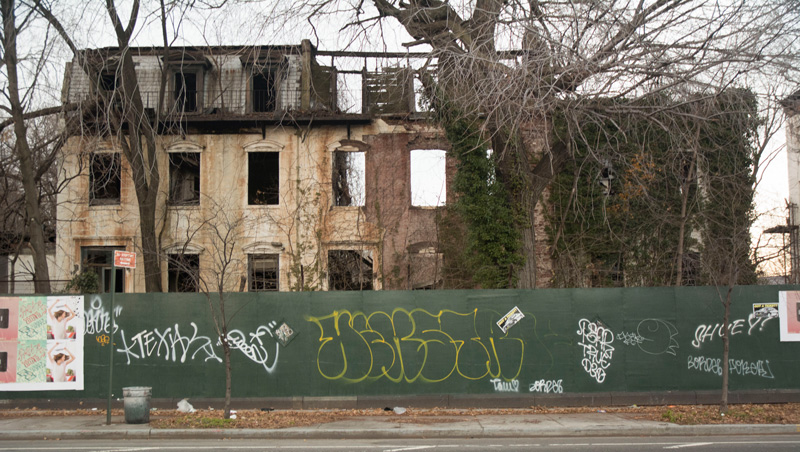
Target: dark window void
x,y
109,81
104,179
3,361
262,271
264,98
348,178
184,178
4,318
183,272
186,91
349,270
100,260
263,184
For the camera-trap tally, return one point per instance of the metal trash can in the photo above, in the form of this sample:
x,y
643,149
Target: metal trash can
x,y
137,404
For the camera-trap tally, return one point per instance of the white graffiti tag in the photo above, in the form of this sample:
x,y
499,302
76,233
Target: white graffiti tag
x,y
98,318
546,386
597,349
254,348
173,345
743,367
505,386
169,344
708,332
653,336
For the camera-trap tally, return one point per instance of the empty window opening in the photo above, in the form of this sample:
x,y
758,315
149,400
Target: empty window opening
x,y
104,179
349,270
100,260
183,272
263,184
186,91
428,181
349,90
184,178
109,81
348,178
264,92
262,272
425,269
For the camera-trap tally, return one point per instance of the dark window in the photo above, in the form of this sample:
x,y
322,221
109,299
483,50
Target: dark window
x,y
109,81
349,270
100,260
262,271
3,361
184,178
186,91
104,179
264,99
263,185
183,272
348,178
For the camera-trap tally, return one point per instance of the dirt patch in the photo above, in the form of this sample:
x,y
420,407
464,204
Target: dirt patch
x,y
788,413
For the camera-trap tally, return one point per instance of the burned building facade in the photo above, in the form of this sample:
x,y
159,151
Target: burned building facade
x,y
266,177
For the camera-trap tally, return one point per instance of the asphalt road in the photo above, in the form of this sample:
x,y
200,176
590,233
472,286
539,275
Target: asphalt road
x,y
689,444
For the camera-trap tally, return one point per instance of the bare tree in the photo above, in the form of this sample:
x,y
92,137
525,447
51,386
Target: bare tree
x,y
126,115
29,168
221,230
518,68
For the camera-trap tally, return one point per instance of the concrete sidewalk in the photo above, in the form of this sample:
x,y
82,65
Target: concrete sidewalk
x,y
385,427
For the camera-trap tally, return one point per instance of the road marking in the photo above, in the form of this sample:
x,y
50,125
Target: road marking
x,y
409,448
680,446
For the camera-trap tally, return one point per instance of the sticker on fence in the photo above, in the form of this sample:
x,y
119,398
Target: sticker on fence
x,y
512,318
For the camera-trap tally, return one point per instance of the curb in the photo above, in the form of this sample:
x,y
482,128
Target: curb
x,y
404,432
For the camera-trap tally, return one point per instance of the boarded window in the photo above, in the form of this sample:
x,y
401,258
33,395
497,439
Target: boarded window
x,y
428,181
104,179
262,270
264,91
186,91
100,260
349,270
184,178
183,272
348,178
263,184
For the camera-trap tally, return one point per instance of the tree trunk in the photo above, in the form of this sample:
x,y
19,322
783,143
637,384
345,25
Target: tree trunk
x,y
685,186
723,406
34,224
226,350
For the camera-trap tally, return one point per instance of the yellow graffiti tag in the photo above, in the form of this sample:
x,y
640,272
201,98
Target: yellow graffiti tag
x,y
103,339
411,346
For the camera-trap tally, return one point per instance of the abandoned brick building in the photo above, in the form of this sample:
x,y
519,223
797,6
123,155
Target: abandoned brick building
x,y
258,155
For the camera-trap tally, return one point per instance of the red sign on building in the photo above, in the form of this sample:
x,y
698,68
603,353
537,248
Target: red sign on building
x,y
124,259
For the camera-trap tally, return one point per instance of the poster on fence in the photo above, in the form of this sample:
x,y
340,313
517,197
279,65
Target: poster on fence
x,y
789,314
41,343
